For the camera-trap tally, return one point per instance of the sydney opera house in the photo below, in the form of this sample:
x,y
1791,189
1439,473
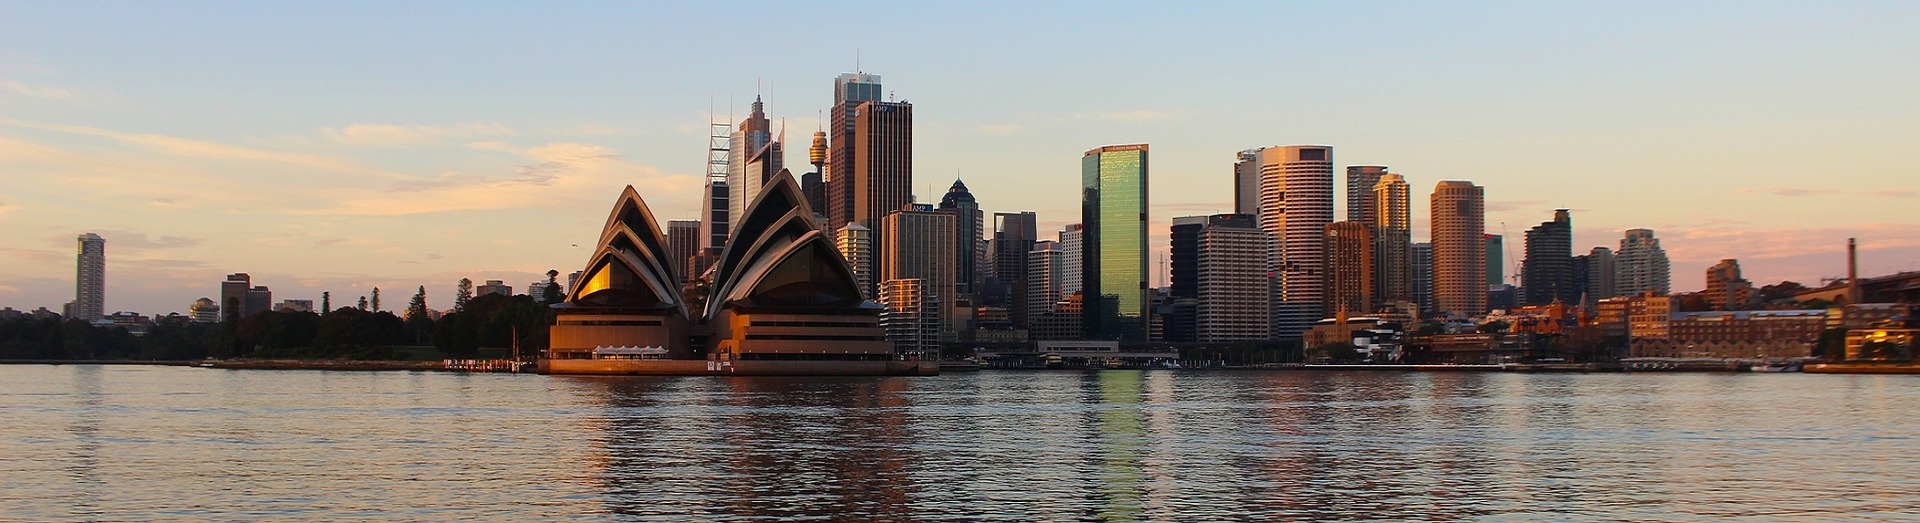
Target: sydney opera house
x,y
781,301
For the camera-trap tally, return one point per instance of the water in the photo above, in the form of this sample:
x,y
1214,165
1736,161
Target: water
x,y
119,443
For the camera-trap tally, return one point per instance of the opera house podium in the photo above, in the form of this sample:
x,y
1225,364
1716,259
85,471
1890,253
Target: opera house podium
x,y
781,301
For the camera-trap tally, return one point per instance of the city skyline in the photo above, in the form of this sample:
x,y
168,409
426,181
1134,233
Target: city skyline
x,y
363,172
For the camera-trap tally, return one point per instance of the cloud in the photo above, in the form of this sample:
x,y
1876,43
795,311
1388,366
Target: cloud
x,y
1512,205
557,175
1002,128
1797,192
390,135
44,92
33,255
1709,243
187,147
7,207
124,239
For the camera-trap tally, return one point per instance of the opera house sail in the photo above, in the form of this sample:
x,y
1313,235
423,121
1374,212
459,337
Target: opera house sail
x,y
782,301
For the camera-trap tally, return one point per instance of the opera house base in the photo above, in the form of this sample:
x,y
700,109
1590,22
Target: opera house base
x,y
628,367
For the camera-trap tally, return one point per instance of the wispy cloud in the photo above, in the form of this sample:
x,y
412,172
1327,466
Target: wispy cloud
x,y
390,135
1002,129
124,239
208,150
1513,205
556,173
1708,243
43,92
1799,192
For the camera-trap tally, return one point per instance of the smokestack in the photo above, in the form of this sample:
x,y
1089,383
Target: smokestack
x,y
1853,273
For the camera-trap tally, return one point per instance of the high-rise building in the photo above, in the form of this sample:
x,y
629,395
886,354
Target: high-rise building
x,y
90,279
1458,217
1496,259
239,298
1547,272
1014,234
1072,240
1296,205
855,243
1420,268
683,245
1246,182
1726,290
1642,265
1349,271
753,158
870,165
1392,239
1043,277
1597,281
813,184
912,317
920,246
715,196
1219,276
1113,215
1361,201
968,249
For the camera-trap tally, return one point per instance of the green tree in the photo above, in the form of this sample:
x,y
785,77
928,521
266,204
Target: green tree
x,y
462,294
326,302
363,304
1430,329
551,294
376,299
419,321
1340,351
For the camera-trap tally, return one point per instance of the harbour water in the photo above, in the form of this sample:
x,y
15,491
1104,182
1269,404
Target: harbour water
x,y
118,443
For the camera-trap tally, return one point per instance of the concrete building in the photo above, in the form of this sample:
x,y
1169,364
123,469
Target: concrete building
x,y
1246,182
1642,265
1113,212
855,243
1547,276
1726,290
1349,270
1649,316
683,246
1496,259
870,170
1043,277
920,246
1071,240
1392,241
1601,275
493,287
1218,282
1458,213
1014,234
912,319
239,298
1362,204
1296,205
90,279
204,310
1420,268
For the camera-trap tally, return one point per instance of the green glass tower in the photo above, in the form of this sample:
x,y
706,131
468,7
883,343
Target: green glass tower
x,y
1113,211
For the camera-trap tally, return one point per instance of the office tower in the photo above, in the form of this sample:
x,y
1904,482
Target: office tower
x,y
1072,239
497,287
1349,271
919,246
1547,273
1459,249
1642,265
753,158
90,279
239,299
813,184
1496,259
1013,236
1219,276
1601,275
1296,204
1361,201
1246,182
1043,277
1113,267
870,164
968,249
911,318
1726,290
683,245
856,245
1420,268
715,204
204,310
1392,239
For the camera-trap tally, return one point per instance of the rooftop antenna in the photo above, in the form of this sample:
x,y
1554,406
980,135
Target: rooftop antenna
x,y
856,62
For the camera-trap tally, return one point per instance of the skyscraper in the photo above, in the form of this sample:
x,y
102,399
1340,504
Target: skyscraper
x,y
1361,206
1420,268
870,165
715,206
1072,240
1642,265
683,244
90,279
1296,205
1496,259
1043,277
1458,213
1113,214
1602,275
1547,274
1392,240
1246,182
920,247
753,158
1349,273
1726,290
855,243
1220,272
968,250
1014,234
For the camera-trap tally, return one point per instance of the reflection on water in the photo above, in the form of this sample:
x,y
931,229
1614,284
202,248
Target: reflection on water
x,y
144,443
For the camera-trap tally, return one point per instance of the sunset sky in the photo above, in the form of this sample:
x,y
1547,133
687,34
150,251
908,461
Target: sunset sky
x,y
337,146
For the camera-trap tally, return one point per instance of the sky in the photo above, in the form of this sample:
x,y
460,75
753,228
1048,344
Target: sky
x,y
342,146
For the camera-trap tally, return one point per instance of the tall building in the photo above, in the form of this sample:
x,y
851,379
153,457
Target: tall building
x,y
1361,201
1043,277
1113,215
1392,240
239,298
1420,268
683,245
912,316
1458,213
1547,273
1349,272
716,195
1296,205
90,279
1600,276
1642,265
968,250
1246,182
813,184
855,243
1014,234
1219,273
753,158
1496,259
919,246
1072,240
1726,290
870,164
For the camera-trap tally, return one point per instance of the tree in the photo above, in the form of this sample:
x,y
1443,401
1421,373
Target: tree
x,y
462,294
376,299
419,324
1780,291
418,307
363,304
1340,351
551,293
326,302
1430,329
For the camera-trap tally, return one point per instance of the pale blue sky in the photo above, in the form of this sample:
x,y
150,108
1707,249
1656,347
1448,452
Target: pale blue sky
x,y
337,146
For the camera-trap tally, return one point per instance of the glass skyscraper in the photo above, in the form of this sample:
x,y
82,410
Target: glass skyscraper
x,y
1113,212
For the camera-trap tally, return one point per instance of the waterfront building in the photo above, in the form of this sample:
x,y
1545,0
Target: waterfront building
x,y
968,249
1649,316
1296,205
1392,240
1458,218
855,243
912,317
1420,267
204,310
1072,238
1349,270
1362,203
1218,282
627,298
919,245
1043,277
1113,212
498,287
753,157
90,279
294,306
1642,265
1547,273
683,245
1726,290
